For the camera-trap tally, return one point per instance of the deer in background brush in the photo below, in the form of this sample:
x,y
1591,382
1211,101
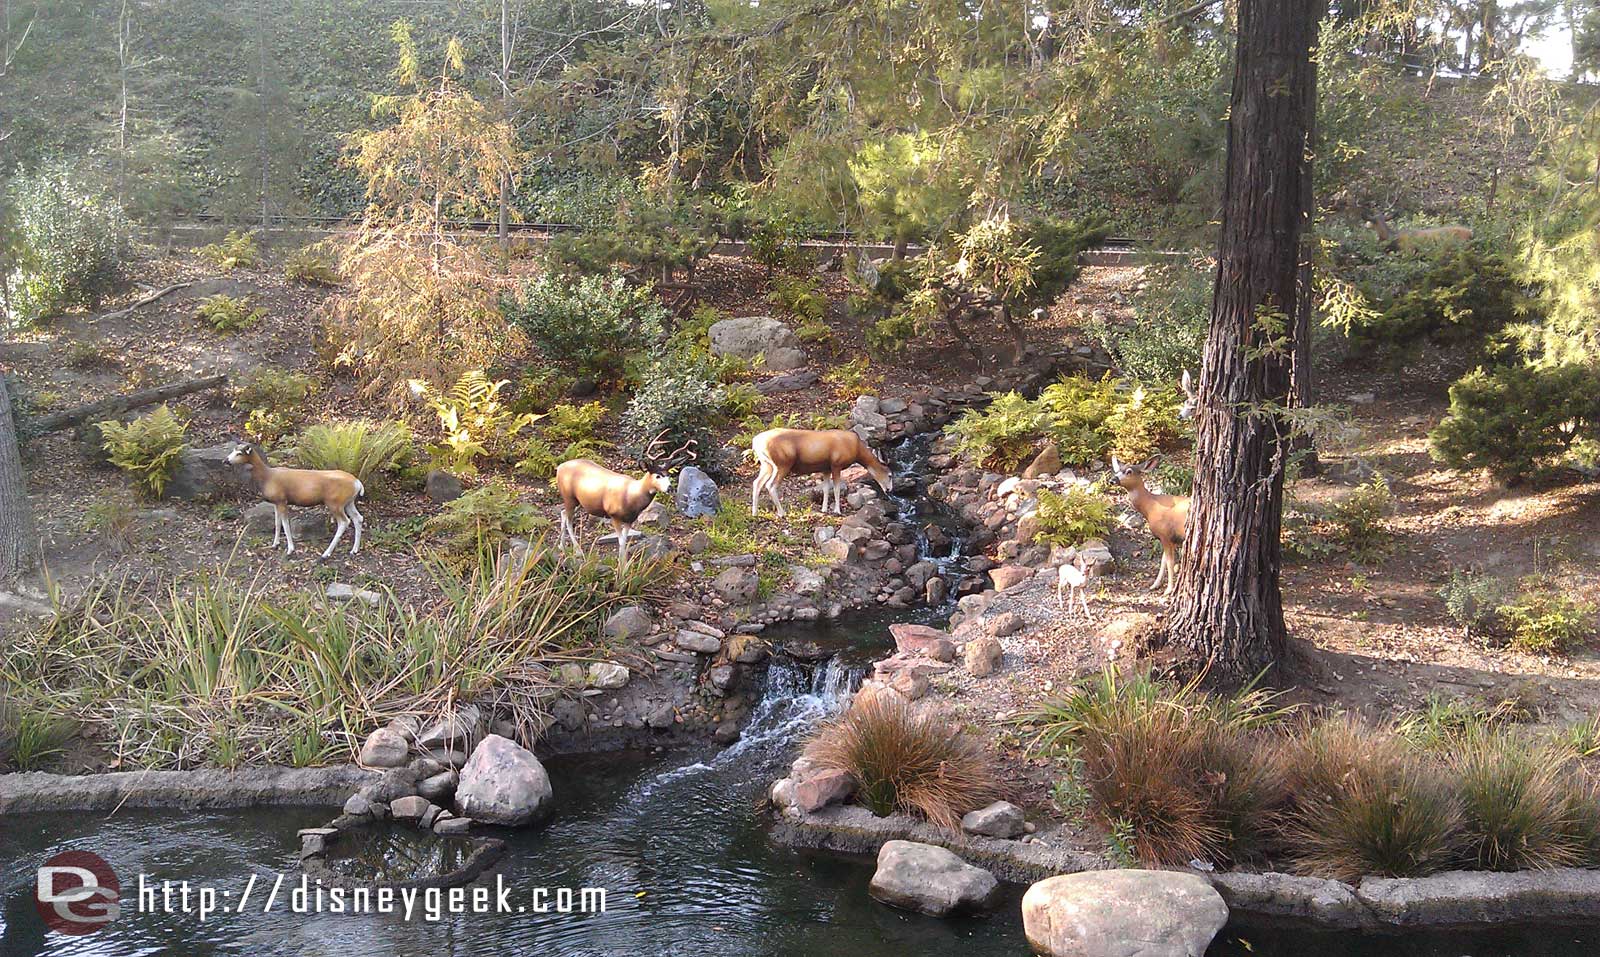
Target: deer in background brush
x,y
620,498
333,489
1419,240
785,452
1167,515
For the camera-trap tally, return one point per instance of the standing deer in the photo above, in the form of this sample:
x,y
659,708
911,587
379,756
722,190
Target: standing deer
x,y
1071,578
785,452
620,498
1167,515
333,489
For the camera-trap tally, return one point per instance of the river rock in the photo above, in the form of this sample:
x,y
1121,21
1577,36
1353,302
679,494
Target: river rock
x,y
455,731
442,487
935,591
917,638
436,787
1047,462
818,789
1001,819
608,675
931,880
384,749
1004,625
837,550
737,586
696,495
630,622
1122,913
981,656
751,336
202,473
452,826
1009,576
502,783
694,641
339,591
409,808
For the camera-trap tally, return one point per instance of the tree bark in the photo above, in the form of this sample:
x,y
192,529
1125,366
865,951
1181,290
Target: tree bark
x,y
16,518
1227,609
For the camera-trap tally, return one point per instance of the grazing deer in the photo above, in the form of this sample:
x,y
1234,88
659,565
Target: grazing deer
x,y
333,489
620,498
785,452
1419,240
1071,578
1167,515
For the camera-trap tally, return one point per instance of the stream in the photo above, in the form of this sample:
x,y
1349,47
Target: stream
x,y
674,838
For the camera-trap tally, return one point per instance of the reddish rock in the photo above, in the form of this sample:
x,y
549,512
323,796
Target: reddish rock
x,y
981,656
917,638
822,788
1007,576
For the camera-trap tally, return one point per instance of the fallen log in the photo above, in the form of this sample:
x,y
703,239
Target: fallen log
x,y
116,405
147,300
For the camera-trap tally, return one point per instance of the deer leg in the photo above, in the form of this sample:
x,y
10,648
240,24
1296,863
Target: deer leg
x,y
1162,573
338,533
755,489
621,531
283,519
1083,598
838,486
772,489
277,527
357,521
1171,561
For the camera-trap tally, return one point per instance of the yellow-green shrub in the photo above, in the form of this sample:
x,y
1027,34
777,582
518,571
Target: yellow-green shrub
x,y
148,448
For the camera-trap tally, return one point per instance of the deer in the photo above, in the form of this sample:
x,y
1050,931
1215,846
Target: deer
x,y
785,452
1419,240
1070,579
333,489
1167,515
586,484
1191,399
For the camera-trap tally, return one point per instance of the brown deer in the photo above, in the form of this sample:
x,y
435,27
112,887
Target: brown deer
x,y
612,495
1419,240
333,489
1167,515
785,452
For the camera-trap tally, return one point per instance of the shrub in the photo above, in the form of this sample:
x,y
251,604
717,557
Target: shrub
x,y
1060,241
1545,621
1463,299
537,459
481,521
1364,803
1146,422
1086,418
476,423
1179,771
1000,436
311,266
1073,518
1353,524
573,423
362,448
591,324
224,313
907,760
148,448
775,243
798,298
72,240
238,250
1473,601
1512,418
1516,799
650,237
538,389
678,402
1171,315
267,388
851,378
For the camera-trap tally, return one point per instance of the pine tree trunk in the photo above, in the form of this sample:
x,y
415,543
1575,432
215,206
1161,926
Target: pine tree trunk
x,y
1227,610
15,519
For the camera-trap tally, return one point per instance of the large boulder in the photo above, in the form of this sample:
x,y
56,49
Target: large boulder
x,y
204,473
696,493
502,783
919,638
818,789
930,880
1124,913
751,336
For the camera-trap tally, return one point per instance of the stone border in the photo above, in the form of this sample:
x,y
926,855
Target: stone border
x,y
1453,899
35,791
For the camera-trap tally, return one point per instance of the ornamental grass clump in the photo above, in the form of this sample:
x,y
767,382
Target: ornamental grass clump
x,y
1519,802
908,760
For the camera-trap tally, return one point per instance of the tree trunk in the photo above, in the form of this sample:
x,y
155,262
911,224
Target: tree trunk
x,y
1227,609
16,524
505,109
1302,395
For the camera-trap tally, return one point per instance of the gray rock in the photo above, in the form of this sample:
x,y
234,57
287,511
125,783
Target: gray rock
x,y
737,586
459,728
788,382
1000,819
502,783
751,336
785,357
203,473
1478,897
696,642
1004,625
358,805
452,826
260,518
384,749
1122,913
608,675
930,880
409,808
442,487
695,493
630,622
339,591
891,406
567,713
436,787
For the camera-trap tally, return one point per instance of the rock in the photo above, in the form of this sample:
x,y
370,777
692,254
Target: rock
x,y
502,783
727,732
695,494
409,808
699,543
982,656
608,675
1003,625
822,788
748,649
917,638
837,550
567,713
1128,913
782,793
436,787
805,581
339,591
1047,462
935,591
737,586
721,676
358,805
892,406
751,336
452,826
384,749
696,642
911,685
788,382
442,487
260,518
1096,557
918,574
202,473
1008,576
1001,819
785,357
457,730
1134,633
630,622
931,880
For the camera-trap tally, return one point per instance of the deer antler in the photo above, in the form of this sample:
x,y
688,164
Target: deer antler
x,y
688,452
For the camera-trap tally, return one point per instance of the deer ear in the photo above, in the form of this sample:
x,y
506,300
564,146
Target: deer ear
x,y
1115,465
1188,383
1150,464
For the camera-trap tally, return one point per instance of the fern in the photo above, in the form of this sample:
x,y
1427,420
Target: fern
x,y
149,448
475,421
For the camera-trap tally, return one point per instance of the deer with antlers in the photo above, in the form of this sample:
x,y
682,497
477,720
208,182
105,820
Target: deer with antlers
x,y
587,484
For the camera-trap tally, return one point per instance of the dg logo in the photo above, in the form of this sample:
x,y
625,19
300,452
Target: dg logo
x,y
77,893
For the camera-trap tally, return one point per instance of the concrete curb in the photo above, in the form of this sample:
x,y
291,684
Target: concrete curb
x,y
35,791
